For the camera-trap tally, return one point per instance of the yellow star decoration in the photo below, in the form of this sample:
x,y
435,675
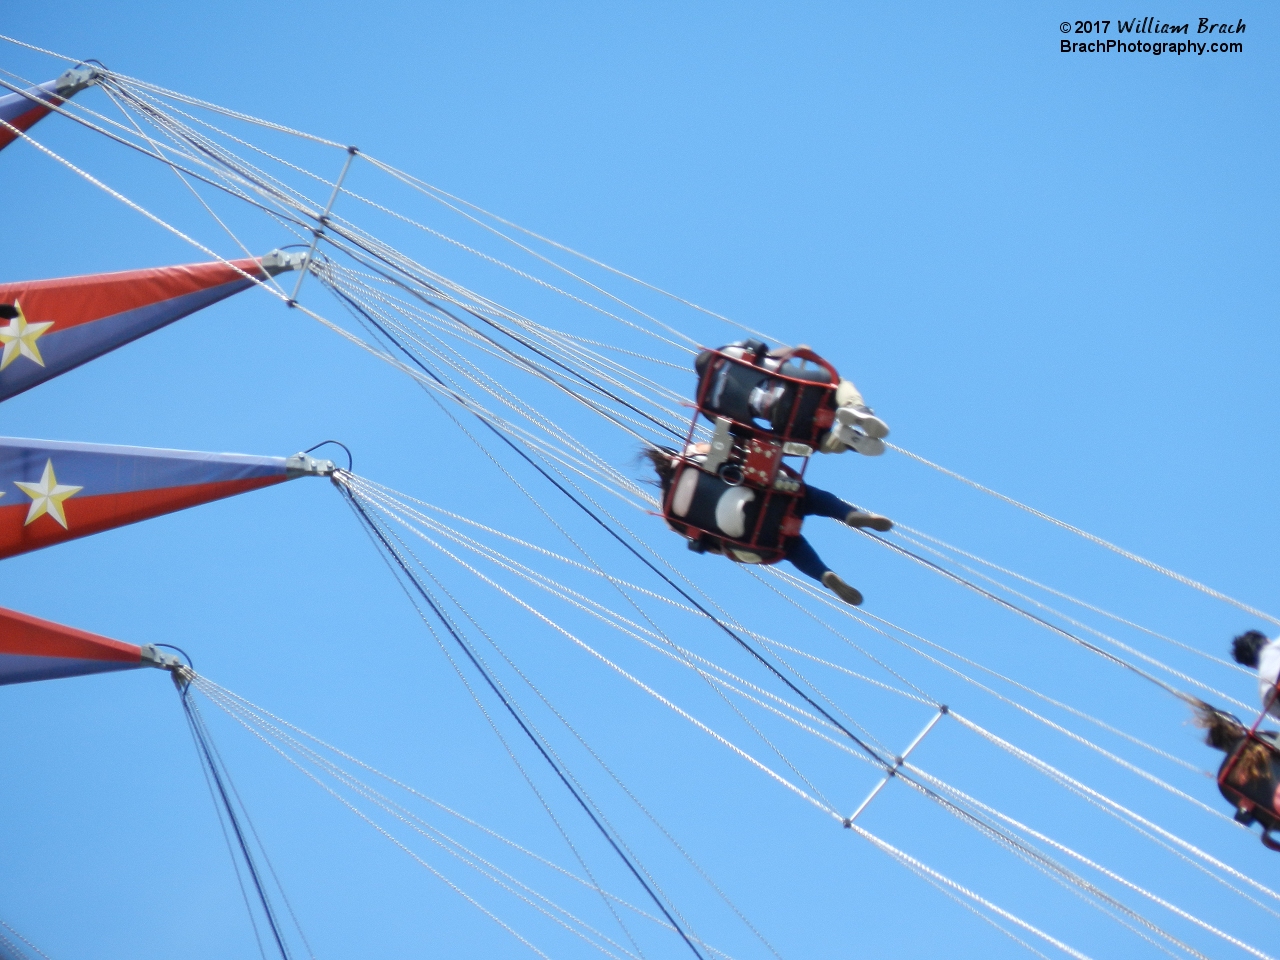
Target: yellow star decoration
x,y
19,339
47,496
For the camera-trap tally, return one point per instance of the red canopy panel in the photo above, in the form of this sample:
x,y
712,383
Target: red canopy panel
x,y
34,649
53,491
48,327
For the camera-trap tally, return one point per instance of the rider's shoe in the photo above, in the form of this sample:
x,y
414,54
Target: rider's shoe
x,y
848,594
867,446
831,443
861,416
859,519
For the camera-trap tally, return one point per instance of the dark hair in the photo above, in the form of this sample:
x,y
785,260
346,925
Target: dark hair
x,y
1222,729
1224,732
1245,647
660,458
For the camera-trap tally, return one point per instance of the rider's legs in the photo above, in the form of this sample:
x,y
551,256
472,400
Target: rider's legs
x,y
804,558
820,503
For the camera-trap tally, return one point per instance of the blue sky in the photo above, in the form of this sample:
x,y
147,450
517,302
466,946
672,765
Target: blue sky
x,y
1052,273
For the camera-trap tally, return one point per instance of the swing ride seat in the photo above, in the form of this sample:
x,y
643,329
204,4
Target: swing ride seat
x,y
723,512
1256,797
738,498
804,410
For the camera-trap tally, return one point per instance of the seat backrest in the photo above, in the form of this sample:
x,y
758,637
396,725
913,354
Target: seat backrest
x,y
755,520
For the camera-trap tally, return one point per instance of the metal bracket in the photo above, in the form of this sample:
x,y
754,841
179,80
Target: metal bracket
x,y
75,80
897,765
793,449
721,446
301,465
153,657
279,261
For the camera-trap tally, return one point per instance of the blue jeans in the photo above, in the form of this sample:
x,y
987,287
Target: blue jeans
x,y
814,503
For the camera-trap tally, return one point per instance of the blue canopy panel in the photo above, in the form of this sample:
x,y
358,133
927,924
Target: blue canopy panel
x,y
48,327
52,491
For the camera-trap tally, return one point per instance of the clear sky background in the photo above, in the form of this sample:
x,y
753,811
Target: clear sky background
x,y
1055,274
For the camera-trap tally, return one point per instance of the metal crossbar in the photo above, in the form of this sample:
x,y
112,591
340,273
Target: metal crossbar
x,y
897,765
318,231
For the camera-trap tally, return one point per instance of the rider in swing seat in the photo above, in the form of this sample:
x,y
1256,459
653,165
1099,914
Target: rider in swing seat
x,y
1249,776
750,394
717,516
1253,649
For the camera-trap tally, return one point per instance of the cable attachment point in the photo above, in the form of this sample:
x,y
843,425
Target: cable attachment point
x,y
336,443
182,675
165,661
301,465
75,80
179,672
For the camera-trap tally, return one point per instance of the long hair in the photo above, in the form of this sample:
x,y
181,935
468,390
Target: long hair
x,y
662,459
1225,732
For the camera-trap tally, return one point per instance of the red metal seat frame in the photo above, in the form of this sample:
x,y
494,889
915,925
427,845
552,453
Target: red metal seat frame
x,y
756,449
1242,802
824,416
